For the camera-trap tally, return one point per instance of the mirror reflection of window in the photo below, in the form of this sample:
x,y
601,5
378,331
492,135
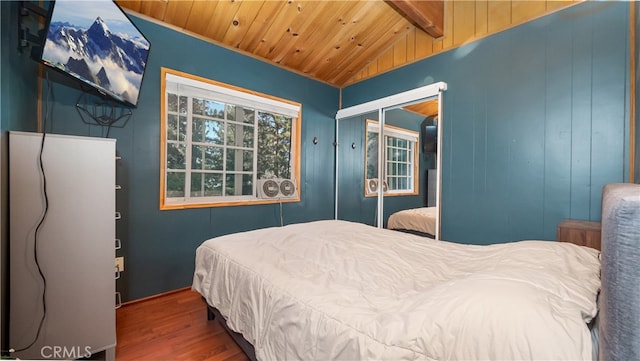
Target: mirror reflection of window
x,y
400,160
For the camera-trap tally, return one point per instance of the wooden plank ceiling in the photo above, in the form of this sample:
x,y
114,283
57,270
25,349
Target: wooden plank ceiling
x,y
340,42
326,40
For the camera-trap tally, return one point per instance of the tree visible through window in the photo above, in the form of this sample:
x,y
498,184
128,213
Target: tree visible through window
x,y
219,141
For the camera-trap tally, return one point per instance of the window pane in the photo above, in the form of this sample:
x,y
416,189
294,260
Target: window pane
x,y
212,185
198,106
247,139
206,184
392,183
196,184
208,107
235,131
392,154
208,131
238,185
239,160
183,105
214,132
197,130
206,157
249,115
231,112
247,161
391,169
397,155
247,184
215,109
231,134
176,155
213,158
175,184
182,131
172,127
402,169
172,102
372,155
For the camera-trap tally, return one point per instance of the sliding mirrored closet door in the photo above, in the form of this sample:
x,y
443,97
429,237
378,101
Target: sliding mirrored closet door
x,y
386,150
356,202
409,166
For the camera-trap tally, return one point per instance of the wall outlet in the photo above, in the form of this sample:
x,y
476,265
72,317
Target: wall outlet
x,y
120,264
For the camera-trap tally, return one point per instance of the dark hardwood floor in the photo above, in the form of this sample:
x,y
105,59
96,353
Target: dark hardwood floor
x,y
173,327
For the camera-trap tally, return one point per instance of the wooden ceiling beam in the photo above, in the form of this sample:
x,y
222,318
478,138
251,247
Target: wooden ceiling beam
x,y
426,15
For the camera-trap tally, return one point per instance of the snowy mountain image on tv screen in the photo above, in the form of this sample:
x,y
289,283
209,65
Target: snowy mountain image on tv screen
x,y
95,42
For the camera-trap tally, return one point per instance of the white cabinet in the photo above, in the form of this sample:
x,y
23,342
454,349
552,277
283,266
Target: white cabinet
x,y
75,245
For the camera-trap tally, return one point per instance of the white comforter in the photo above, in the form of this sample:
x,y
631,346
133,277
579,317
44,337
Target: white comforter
x,y
330,290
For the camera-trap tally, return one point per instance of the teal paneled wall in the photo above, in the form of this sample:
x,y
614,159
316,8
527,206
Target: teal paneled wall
x,y
159,246
536,121
18,74
352,205
18,100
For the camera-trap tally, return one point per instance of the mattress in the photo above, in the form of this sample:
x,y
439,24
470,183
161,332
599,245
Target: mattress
x,y
337,290
421,219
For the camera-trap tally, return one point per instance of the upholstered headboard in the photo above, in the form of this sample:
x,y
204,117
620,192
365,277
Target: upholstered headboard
x,y
619,318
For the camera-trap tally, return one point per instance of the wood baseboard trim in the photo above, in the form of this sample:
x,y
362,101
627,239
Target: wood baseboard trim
x,y
148,298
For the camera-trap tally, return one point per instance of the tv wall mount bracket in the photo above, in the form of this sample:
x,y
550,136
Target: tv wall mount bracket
x,y
25,37
104,112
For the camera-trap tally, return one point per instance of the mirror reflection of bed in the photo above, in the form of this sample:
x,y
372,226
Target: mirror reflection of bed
x,y
420,221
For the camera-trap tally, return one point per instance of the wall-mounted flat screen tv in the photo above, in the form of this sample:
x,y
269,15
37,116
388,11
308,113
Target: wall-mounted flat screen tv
x,y
95,42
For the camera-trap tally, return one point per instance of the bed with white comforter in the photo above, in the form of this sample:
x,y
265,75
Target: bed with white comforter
x,y
337,290
422,219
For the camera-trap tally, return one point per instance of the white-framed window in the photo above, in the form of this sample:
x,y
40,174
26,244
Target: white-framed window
x,y
218,141
400,160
